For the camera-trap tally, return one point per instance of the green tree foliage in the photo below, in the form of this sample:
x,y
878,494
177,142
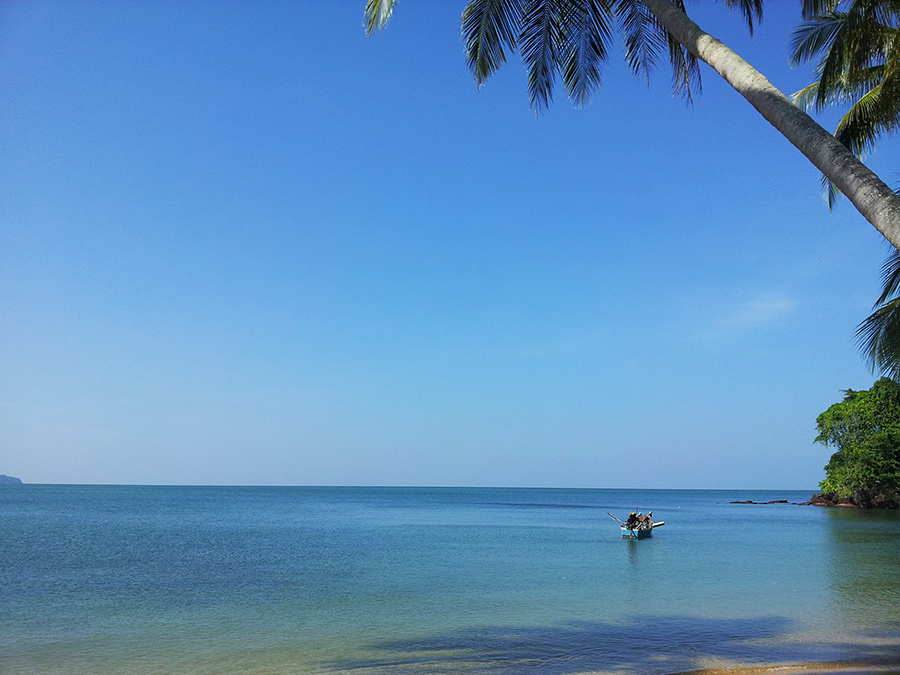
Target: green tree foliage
x,y
865,429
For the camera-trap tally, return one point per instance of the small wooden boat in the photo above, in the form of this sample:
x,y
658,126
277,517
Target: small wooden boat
x,y
637,525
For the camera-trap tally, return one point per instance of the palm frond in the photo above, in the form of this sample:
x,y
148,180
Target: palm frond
x,y
867,35
890,277
806,97
846,90
487,27
890,83
378,14
814,36
814,8
751,9
878,338
858,83
586,26
542,44
685,71
830,192
892,60
644,38
685,67
862,124
850,50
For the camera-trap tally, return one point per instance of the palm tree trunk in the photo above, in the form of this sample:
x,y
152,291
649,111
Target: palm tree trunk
x,y
874,200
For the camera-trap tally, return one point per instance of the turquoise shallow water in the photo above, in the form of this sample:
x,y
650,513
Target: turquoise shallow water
x,y
403,580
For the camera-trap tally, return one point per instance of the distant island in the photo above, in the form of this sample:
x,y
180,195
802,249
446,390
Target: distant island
x,y
9,480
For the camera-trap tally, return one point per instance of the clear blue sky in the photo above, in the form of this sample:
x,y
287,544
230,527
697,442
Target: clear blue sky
x,y
241,243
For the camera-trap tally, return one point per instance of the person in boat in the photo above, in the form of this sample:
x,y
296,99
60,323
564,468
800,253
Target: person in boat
x,y
633,520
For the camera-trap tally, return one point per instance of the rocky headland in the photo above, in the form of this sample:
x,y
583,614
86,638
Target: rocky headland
x,y
832,499
877,502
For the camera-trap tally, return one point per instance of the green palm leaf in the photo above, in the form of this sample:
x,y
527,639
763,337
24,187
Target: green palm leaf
x,y
806,97
814,8
685,70
644,37
542,43
487,27
879,339
814,36
586,27
863,123
378,14
751,9
878,336
890,278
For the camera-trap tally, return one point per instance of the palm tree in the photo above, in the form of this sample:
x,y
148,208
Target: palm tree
x,y
571,38
858,45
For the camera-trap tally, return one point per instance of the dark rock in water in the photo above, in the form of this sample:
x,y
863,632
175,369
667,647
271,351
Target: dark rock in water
x,y
9,480
750,501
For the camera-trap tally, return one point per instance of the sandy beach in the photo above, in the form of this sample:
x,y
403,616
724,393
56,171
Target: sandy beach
x,y
841,668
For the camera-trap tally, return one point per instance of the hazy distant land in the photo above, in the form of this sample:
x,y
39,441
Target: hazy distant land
x,y
9,480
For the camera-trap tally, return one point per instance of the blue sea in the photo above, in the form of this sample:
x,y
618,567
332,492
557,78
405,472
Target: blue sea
x,y
249,580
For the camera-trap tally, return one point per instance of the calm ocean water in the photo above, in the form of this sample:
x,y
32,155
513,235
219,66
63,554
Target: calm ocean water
x,y
193,580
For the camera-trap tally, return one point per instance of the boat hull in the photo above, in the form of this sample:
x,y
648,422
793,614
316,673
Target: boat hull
x,y
636,534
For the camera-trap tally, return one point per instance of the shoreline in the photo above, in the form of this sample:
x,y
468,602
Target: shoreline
x,y
867,667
